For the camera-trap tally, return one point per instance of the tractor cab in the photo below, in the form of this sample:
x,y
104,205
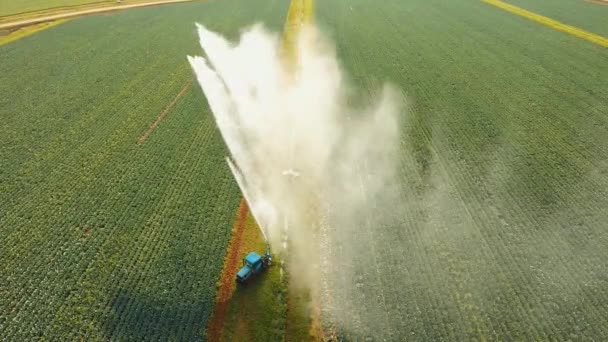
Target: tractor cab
x,y
253,264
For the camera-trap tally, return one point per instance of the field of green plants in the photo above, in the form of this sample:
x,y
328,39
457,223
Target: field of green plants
x,y
12,7
500,228
102,238
582,14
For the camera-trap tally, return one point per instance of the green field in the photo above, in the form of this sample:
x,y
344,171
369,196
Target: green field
x,y
499,226
102,238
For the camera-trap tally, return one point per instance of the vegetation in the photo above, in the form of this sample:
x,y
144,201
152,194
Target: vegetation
x,y
11,7
500,232
587,15
501,228
103,238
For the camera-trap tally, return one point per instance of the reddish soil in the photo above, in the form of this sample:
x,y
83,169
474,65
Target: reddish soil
x,y
227,283
160,116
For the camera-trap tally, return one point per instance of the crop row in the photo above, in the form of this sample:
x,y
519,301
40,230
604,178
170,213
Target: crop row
x,y
498,231
100,237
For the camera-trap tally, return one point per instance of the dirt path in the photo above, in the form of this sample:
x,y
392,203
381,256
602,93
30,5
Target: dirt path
x,y
598,2
160,116
227,283
27,22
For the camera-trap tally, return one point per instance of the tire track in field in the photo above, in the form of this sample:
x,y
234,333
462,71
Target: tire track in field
x,y
164,113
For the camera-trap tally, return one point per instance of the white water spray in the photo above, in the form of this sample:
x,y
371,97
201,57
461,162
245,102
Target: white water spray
x,y
298,150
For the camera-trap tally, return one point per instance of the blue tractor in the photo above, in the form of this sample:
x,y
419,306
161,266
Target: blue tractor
x,y
253,264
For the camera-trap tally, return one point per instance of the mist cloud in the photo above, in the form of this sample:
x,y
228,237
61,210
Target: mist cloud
x,y
312,166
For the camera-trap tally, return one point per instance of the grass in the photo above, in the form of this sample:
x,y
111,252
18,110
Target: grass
x,y
103,238
499,230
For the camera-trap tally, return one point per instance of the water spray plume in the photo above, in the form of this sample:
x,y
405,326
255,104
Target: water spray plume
x,y
306,161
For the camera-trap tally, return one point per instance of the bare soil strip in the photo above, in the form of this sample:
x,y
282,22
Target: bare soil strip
x,y
160,116
598,2
42,19
227,283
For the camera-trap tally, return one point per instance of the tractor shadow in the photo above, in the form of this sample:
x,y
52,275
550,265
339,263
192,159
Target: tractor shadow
x,y
146,316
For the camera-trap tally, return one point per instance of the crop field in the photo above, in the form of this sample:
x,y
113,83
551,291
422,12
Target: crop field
x,y
102,237
117,206
504,174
